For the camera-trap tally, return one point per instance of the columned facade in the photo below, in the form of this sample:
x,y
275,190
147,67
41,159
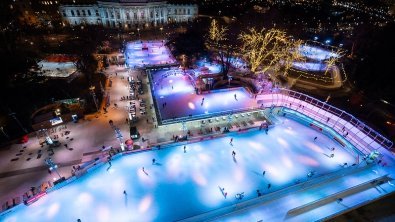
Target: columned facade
x,y
128,14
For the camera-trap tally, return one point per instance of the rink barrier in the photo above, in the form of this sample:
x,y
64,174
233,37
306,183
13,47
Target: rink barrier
x,y
12,209
309,183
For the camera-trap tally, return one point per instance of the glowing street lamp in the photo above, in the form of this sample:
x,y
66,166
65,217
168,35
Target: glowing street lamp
x,y
161,31
138,30
52,166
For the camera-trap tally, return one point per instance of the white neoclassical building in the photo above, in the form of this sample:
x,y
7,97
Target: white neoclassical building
x,y
128,14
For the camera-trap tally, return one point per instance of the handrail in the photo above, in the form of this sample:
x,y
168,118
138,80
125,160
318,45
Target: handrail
x,y
344,124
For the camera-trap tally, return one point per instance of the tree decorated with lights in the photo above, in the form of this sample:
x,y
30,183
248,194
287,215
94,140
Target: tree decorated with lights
x,y
291,53
264,48
218,42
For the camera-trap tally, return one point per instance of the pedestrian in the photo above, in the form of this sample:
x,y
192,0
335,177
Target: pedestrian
x,y
264,172
66,145
315,138
153,161
147,120
185,147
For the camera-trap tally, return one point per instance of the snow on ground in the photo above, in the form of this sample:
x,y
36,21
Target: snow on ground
x,y
182,185
181,100
138,54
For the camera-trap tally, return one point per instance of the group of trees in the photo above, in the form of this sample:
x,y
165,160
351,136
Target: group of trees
x,y
262,49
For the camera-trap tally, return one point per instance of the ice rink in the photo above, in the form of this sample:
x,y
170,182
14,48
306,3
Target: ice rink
x,y
181,99
138,54
183,184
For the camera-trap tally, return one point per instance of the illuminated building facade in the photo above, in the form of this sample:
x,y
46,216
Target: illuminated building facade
x,y
128,14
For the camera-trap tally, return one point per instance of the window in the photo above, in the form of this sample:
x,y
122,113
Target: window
x,y
118,15
135,15
151,14
78,13
72,13
189,11
97,13
64,13
127,16
89,12
161,13
83,12
112,15
106,14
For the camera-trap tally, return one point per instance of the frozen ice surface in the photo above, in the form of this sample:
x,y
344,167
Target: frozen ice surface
x,y
316,53
139,54
182,184
181,100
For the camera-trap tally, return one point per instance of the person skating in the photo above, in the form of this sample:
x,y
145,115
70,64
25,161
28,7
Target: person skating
x,y
263,173
231,141
153,161
185,147
315,138
233,153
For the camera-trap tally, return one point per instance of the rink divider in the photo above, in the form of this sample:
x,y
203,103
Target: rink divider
x,y
333,197
315,181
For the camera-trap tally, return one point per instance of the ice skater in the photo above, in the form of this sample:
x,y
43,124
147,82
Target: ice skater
x,y
258,193
144,171
153,161
269,185
315,138
263,173
235,97
185,149
124,193
233,153
231,141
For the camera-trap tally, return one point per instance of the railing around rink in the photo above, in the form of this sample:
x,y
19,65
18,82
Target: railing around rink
x,y
359,134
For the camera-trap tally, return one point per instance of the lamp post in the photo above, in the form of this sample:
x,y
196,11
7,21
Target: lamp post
x,y
161,31
4,133
138,31
12,114
52,166
92,89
